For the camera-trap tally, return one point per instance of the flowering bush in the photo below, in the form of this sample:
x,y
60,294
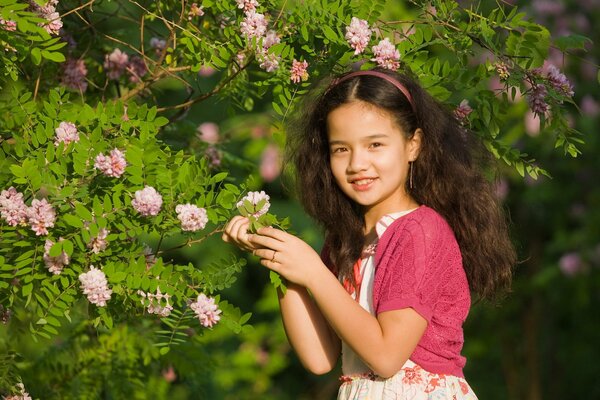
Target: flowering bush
x,y
99,157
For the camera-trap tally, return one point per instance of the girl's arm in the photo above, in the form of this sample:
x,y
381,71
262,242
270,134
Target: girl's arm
x,y
313,340
384,342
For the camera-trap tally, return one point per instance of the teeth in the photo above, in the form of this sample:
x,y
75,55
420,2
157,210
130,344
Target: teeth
x,y
363,182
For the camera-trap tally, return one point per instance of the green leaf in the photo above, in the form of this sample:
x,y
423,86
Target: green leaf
x,y
573,41
36,56
53,56
330,33
73,221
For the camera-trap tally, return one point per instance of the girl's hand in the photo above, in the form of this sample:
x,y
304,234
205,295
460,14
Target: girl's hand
x,y
236,232
287,255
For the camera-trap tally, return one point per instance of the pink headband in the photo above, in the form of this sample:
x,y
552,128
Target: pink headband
x,y
378,74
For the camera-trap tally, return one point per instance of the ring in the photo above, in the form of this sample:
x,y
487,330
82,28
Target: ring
x,y
274,254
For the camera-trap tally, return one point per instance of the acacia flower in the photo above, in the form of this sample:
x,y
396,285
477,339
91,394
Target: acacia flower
x,y
537,99
247,5
208,132
270,39
268,61
358,34
253,25
136,69
147,201
193,218
255,204
54,264
299,71
8,25
99,243
195,11
206,310
95,286
386,55
570,263
115,64
559,81
502,70
463,110
213,156
48,12
23,395
12,207
73,75
66,133
112,165
41,216
154,303
158,44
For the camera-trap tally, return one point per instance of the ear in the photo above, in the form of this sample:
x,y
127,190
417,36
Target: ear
x,y
414,145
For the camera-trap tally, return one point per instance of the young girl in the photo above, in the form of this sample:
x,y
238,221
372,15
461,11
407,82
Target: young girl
x,y
413,227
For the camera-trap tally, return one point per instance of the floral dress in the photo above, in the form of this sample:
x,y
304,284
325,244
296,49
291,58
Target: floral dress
x,y
412,381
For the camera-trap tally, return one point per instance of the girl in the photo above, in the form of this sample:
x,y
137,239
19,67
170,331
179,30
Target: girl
x,y
412,228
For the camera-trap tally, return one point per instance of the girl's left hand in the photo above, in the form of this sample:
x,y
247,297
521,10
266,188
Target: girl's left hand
x,y
287,255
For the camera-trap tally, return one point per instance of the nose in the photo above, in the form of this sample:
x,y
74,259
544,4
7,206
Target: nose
x,y
359,161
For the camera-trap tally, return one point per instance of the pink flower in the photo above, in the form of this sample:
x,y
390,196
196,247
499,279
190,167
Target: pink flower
x,y
99,243
147,201
358,34
270,39
299,71
206,310
8,25
270,164
12,207
22,396
463,110
537,99
247,5
48,12
255,204
206,71
154,303
54,264
158,44
66,133
208,132
136,69
192,217
95,286
113,165
502,70
570,263
115,64
559,81
268,61
386,55
253,25
41,216
213,156
73,75
195,11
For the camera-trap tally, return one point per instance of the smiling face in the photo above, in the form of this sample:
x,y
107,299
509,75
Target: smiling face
x,y
369,158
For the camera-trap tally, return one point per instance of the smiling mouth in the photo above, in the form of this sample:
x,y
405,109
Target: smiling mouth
x,y
363,182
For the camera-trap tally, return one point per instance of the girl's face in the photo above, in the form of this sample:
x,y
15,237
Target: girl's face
x,y
369,158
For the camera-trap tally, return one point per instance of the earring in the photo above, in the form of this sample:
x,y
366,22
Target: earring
x,y
410,178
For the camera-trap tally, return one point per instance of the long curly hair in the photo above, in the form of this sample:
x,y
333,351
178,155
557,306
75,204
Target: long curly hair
x,y
448,176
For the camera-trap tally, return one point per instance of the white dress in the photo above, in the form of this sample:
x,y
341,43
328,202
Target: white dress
x,y
412,381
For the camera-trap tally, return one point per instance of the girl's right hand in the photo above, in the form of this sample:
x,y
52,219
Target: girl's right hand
x,y
236,232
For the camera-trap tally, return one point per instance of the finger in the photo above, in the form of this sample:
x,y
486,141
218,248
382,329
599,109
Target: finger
x,y
270,264
231,225
267,254
265,242
273,233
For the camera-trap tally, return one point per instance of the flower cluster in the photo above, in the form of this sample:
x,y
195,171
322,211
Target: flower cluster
x,y
13,210
147,201
206,310
54,264
193,218
254,204
41,216
386,55
66,133
99,242
502,70
154,303
8,25
559,81
95,286
299,71
358,34
463,110
213,156
112,165
570,263
254,26
23,395
48,12
73,75
118,62
537,99
208,132
136,68
158,44
195,11
247,5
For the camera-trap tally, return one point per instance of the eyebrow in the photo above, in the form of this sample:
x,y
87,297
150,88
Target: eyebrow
x,y
365,139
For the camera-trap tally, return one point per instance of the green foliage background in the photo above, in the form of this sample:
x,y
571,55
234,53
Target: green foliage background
x,y
538,343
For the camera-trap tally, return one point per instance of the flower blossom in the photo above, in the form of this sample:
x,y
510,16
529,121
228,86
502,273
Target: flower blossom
x,y
12,207
208,132
99,243
73,75
195,11
502,70
41,216
54,264
559,81
154,303
270,39
358,34
537,99
268,61
253,25
95,286
270,163
136,69
22,396
254,198
570,264
193,218
115,64
463,110
48,12
8,25
147,201
247,5
213,156
386,55
112,165
299,71
206,310
66,133
158,44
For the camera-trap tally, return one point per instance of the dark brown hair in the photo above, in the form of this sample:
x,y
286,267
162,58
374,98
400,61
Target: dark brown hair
x,y
448,176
